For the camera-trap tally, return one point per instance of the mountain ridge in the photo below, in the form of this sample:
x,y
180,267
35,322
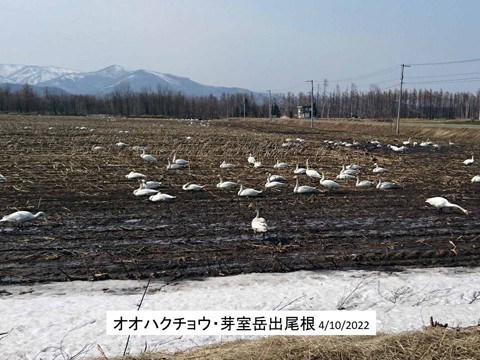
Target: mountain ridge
x,y
107,80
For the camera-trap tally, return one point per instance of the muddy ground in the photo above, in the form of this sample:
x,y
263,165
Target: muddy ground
x,y
98,229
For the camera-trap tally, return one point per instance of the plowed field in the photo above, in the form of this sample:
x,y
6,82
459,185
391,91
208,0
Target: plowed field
x,y
98,229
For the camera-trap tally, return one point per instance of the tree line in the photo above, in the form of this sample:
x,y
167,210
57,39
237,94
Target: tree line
x,y
373,103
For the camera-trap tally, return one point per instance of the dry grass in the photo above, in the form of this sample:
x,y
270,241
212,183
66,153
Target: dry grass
x,y
433,343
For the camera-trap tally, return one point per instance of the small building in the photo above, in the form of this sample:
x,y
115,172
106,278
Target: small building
x,y
304,111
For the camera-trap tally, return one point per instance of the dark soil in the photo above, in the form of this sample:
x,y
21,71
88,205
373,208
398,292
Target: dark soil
x,y
99,230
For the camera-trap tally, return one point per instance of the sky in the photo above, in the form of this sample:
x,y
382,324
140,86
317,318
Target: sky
x,y
259,45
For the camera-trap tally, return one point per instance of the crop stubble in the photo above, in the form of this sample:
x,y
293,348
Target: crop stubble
x,y
98,229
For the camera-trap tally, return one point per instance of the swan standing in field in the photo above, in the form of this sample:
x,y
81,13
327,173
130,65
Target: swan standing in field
x,y
251,159
225,165
161,197
302,189
257,164
192,187
469,161
280,165
259,224
363,183
19,217
134,176
329,183
386,185
379,170
226,184
440,203
299,170
476,179
312,173
147,157
180,162
248,191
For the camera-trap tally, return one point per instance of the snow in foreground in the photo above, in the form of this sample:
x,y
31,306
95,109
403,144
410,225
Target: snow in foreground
x,y
60,320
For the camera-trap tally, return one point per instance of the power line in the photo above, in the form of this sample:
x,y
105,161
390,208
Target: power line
x,y
289,88
450,81
439,76
366,76
447,62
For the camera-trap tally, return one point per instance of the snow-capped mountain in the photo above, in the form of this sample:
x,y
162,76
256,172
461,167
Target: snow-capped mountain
x,y
31,74
107,80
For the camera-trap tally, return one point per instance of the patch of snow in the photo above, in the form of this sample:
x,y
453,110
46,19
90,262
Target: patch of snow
x,y
72,315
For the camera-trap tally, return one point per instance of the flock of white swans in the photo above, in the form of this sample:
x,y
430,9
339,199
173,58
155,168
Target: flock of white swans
x,y
151,190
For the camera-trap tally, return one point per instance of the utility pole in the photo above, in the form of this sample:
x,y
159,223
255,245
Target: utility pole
x,y
269,105
397,131
311,104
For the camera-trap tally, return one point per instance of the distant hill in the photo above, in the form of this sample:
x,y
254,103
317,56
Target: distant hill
x,y
107,80
39,90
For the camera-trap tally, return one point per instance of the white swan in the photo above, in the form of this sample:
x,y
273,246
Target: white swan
x,y
329,183
257,164
299,170
349,171
225,165
274,184
226,184
121,144
343,176
147,157
469,161
251,159
280,165
2,178
407,142
132,175
171,166
379,170
97,148
386,185
303,189
141,191
353,167
275,178
440,203
476,179
192,187
259,224
23,216
180,162
312,173
248,191
161,197
151,184
363,183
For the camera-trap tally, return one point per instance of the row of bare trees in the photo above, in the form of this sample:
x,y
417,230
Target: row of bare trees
x,y
374,103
